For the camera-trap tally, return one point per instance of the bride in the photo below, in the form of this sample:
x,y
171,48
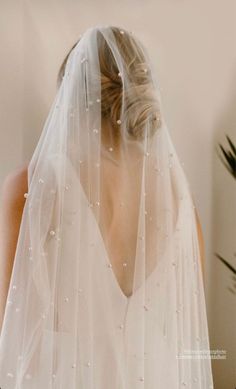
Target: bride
x,y
101,248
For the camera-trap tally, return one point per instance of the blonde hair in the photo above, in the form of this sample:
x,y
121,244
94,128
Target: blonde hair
x,y
141,105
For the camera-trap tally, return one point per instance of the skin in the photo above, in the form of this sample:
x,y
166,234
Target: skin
x,y
12,204
201,244
13,201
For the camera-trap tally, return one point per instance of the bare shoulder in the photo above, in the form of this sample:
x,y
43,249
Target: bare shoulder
x,y
14,187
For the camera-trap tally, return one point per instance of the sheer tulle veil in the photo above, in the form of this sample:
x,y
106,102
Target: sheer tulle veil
x,y
106,289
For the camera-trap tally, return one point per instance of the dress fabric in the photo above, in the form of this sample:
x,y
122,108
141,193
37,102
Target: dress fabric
x,y
122,324
106,289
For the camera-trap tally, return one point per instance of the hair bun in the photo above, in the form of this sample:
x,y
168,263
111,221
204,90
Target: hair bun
x,y
141,105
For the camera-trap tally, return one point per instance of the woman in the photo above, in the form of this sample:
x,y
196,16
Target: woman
x,y
105,288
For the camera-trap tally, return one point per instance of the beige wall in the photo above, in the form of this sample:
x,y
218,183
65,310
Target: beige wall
x,y
193,46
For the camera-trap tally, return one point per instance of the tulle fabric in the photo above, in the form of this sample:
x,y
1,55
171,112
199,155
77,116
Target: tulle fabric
x,y
106,289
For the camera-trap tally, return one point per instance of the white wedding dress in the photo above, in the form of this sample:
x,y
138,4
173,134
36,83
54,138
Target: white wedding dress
x,y
106,289
114,315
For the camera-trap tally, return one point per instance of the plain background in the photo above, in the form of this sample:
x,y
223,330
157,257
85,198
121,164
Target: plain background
x,y
192,44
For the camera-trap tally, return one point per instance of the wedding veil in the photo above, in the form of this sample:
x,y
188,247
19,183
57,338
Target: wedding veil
x,y
106,282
